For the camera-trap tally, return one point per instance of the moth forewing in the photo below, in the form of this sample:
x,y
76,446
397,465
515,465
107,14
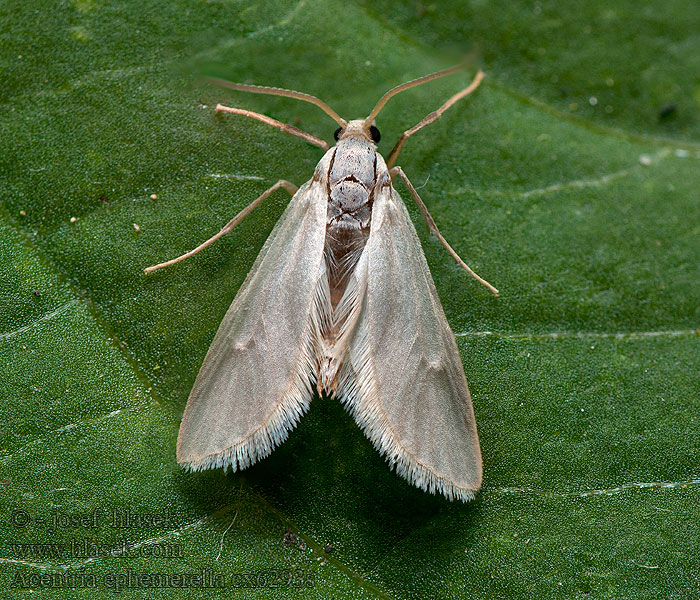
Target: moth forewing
x,y
256,380
403,379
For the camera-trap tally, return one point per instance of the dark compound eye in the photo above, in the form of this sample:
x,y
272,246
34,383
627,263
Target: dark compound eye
x,y
336,135
374,132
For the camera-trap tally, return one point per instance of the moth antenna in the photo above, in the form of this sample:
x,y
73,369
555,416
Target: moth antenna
x,y
409,84
273,91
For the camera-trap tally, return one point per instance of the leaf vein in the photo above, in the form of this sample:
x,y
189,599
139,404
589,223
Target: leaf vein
x,y
623,335
637,485
47,317
37,440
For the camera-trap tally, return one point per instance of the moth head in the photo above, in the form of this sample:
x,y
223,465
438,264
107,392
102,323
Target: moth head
x,y
358,128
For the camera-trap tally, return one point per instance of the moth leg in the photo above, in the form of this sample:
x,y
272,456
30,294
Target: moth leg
x,y
228,228
431,118
290,129
435,231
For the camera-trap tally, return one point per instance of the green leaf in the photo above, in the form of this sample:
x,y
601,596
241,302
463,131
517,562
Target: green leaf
x,y
568,180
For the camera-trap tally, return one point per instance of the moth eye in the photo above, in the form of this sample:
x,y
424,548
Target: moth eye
x,y
374,132
336,135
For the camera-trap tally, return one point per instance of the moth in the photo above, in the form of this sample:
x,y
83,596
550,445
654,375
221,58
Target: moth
x,y
339,301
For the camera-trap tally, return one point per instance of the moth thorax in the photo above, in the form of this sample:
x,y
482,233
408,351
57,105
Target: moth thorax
x,y
356,157
351,179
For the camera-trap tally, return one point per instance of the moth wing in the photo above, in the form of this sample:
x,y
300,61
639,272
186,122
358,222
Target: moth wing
x,y
256,380
403,379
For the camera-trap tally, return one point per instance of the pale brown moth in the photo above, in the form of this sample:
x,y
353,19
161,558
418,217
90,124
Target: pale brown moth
x,y
340,300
